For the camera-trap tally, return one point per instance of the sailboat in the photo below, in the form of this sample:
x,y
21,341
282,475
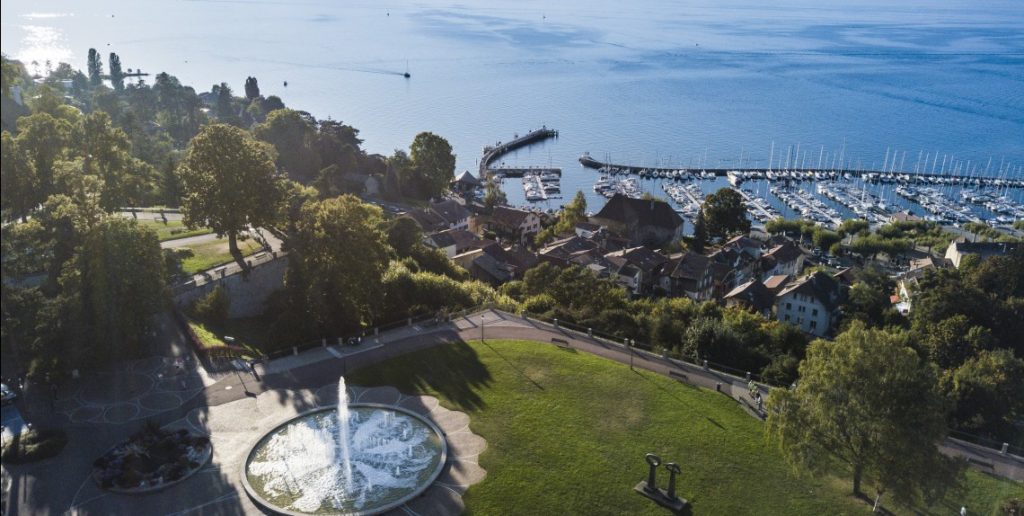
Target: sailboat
x,y
407,74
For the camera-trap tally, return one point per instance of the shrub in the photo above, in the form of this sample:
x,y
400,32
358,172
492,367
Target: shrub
x,y
214,307
34,445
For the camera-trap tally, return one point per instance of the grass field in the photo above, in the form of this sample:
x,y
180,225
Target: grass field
x,y
567,433
172,229
214,252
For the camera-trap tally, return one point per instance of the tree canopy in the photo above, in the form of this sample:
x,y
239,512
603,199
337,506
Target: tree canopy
x,y
433,166
725,214
229,183
293,135
866,401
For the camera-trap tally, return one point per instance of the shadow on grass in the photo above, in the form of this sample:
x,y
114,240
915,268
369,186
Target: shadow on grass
x,y
512,365
451,370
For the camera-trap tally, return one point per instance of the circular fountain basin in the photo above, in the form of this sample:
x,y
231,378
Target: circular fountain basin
x,y
297,467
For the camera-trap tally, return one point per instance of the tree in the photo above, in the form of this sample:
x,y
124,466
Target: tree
x,y
869,304
226,111
493,195
403,235
252,88
292,135
574,212
725,214
114,285
987,393
340,252
19,185
95,68
700,233
824,239
43,138
433,165
116,75
272,103
952,341
228,183
867,401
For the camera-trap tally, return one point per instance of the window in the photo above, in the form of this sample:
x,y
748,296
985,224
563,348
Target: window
x,y
799,320
814,313
789,306
814,324
801,308
787,318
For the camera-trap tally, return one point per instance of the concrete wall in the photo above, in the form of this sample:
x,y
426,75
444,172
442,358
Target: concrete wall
x,y
248,293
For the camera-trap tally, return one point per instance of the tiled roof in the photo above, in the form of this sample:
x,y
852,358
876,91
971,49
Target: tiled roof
x,y
819,285
640,212
509,217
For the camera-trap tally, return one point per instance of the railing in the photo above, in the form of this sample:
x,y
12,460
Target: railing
x,y
650,350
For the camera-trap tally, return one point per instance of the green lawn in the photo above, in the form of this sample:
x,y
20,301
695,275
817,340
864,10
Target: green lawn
x,y
212,338
172,229
567,433
211,253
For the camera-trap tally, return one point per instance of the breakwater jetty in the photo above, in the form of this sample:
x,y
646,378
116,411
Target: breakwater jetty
x,y
493,152
804,174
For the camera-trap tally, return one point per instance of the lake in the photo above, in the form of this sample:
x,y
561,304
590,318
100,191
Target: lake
x,y
649,82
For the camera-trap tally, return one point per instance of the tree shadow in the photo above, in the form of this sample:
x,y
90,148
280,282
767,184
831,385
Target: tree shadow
x,y
512,365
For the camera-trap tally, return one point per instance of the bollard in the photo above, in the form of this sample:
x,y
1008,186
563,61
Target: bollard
x,y
376,331
410,322
295,350
705,364
555,323
526,316
590,332
1005,449
339,341
748,375
323,342
718,386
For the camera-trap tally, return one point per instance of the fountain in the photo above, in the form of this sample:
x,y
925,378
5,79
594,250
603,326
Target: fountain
x,y
356,458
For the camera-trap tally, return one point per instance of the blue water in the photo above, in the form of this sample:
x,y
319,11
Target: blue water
x,y
652,82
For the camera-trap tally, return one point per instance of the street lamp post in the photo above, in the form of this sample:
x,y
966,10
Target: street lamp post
x,y
482,317
632,342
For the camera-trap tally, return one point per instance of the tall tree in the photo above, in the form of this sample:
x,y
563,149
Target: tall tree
x,y
988,393
293,136
252,88
868,402
493,195
725,214
433,164
19,185
700,233
229,183
43,138
116,74
115,285
341,251
226,111
95,68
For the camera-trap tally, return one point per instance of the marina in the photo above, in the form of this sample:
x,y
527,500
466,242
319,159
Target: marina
x,y
810,208
1008,178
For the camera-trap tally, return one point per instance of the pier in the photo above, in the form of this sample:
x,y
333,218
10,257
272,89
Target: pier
x,y
520,171
760,214
492,153
808,174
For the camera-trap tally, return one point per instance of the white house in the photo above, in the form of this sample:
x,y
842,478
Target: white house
x,y
810,303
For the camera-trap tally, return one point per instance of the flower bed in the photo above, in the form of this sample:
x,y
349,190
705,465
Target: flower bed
x,y
151,460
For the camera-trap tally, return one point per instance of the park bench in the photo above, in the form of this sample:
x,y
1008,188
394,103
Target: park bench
x,y
560,342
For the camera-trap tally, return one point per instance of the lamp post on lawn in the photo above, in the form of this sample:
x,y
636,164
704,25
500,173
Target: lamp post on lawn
x,y
231,342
